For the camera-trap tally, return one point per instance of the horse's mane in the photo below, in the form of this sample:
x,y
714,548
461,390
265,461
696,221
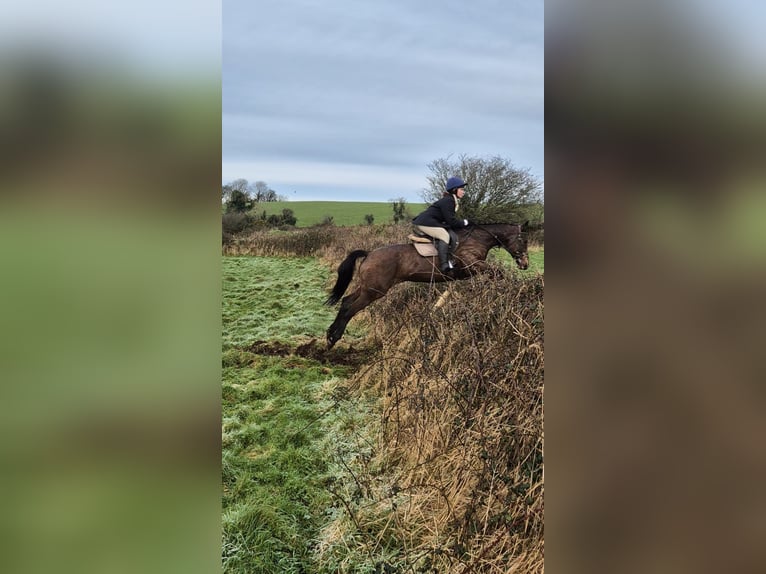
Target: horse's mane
x,y
463,231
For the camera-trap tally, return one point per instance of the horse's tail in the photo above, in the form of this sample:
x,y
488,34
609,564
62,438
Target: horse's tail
x,y
345,274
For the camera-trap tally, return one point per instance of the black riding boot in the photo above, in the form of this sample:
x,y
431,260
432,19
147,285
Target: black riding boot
x,y
443,250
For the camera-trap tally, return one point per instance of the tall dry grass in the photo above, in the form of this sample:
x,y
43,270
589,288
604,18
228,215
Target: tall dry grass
x,y
456,484
327,242
304,242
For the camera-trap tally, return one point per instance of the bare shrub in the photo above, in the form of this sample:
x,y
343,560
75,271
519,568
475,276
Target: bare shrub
x,y
367,237
456,484
236,222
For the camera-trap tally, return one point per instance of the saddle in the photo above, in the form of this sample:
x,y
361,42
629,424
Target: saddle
x,y
425,244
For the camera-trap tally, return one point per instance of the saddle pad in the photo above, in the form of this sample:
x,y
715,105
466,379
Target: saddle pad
x,y
425,249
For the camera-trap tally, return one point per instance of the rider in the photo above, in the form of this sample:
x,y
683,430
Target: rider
x,y
439,216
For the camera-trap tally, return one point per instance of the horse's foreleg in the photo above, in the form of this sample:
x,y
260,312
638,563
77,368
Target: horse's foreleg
x,y
442,299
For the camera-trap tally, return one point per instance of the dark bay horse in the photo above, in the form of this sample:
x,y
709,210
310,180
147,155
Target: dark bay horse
x,y
384,267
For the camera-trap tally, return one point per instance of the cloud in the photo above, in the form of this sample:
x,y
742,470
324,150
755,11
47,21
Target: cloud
x,y
390,86
303,180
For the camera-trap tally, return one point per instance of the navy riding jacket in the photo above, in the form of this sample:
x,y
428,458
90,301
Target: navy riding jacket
x,y
440,214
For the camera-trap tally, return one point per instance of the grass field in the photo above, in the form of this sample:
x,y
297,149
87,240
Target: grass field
x,y
280,415
536,260
343,212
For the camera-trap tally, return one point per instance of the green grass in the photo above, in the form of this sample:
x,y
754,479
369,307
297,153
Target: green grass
x,y
275,298
343,212
536,260
346,213
273,467
282,417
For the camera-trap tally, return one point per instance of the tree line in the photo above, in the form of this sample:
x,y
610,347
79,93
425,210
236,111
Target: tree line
x,y
497,191
240,199
240,195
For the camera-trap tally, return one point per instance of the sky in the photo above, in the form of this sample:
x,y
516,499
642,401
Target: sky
x,y
350,101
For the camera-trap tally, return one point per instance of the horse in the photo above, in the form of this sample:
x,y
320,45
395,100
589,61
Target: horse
x,y
384,267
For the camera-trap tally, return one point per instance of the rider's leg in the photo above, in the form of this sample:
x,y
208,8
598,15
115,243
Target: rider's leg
x,y
442,244
452,246
442,249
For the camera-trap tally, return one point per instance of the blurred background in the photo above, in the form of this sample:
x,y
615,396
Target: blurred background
x,y
110,286
655,173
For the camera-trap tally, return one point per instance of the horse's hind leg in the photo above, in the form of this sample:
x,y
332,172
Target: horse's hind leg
x,y
350,306
338,327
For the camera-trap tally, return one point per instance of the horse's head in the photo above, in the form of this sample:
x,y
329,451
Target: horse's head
x,y
516,244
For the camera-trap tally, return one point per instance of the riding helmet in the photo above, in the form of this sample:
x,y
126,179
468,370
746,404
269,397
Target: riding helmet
x,y
453,183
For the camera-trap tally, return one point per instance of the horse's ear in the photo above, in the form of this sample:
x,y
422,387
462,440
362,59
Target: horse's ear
x,y
525,225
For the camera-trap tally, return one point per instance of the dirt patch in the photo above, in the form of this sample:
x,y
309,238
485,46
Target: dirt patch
x,y
270,348
316,350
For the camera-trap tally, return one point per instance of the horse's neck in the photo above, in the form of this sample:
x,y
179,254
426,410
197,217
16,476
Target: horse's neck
x,y
486,236
475,242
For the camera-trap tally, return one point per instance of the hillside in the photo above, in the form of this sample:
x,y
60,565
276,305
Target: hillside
x,y
343,212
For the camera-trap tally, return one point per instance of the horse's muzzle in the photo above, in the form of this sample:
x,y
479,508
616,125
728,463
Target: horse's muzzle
x,y
523,261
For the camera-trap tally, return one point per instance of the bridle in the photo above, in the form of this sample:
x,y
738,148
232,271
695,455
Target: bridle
x,y
499,241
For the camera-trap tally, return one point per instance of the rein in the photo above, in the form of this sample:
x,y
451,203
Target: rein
x,y
495,237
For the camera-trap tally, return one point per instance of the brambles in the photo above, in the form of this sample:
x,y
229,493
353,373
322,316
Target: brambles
x,y
456,482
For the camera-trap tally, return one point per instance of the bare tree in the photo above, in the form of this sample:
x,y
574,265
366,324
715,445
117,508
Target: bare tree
x,y
497,191
262,192
241,185
240,195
